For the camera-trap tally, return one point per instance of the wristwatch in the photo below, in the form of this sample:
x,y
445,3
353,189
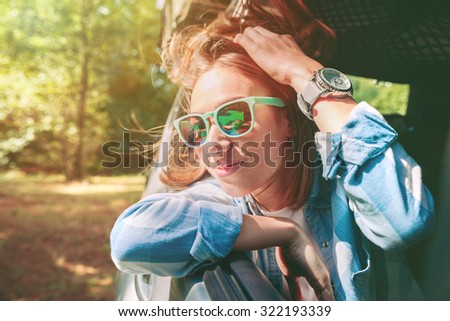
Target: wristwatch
x,y
324,82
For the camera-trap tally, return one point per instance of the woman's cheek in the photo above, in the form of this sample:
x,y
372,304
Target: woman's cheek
x,y
199,154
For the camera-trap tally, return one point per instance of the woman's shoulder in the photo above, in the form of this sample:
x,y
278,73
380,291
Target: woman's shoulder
x,y
207,189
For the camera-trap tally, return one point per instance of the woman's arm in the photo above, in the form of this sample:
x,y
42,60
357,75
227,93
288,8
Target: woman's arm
x,y
284,61
392,206
176,234
297,255
357,147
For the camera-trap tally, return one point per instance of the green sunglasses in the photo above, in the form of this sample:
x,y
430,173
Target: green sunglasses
x,y
234,119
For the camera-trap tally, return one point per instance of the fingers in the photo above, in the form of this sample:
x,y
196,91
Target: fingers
x,y
316,271
322,286
259,31
245,42
303,259
278,55
256,34
295,290
326,295
254,37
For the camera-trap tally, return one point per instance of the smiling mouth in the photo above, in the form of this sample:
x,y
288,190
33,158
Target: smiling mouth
x,y
228,166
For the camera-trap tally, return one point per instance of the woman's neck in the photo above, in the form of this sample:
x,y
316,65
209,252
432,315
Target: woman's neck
x,y
273,196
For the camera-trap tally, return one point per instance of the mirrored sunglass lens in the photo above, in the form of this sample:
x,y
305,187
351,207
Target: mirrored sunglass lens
x,y
235,119
193,130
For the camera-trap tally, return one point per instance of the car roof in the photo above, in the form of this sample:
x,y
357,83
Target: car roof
x,y
394,40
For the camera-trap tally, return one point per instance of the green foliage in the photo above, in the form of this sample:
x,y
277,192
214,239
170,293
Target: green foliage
x,y
72,74
49,43
387,97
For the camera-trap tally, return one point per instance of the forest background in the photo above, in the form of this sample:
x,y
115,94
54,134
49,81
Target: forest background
x,y
75,75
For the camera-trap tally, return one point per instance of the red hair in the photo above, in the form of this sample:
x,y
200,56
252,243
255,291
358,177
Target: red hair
x,y
195,50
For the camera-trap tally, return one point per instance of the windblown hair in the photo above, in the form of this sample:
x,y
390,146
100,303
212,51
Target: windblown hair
x,y
196,49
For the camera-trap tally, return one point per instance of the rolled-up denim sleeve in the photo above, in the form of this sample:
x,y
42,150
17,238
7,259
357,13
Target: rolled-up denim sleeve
x,y
383,184
365,135
175,234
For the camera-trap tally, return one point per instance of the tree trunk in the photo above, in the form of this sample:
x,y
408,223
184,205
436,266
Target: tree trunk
x,y
79,160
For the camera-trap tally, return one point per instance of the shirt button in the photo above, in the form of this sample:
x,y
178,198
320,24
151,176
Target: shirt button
x,y
325,244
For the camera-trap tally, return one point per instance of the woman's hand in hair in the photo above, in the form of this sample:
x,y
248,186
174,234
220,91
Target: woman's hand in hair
x,y
279,56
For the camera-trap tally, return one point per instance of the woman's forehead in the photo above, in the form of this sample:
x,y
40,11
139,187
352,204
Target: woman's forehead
x,y
220,85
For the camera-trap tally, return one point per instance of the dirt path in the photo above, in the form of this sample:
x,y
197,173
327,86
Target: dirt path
x,y
54,237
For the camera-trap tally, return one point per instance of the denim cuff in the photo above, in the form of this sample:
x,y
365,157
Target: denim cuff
x,y
365,135
217,232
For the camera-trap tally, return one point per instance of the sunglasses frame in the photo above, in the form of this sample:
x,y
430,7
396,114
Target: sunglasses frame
x,y
251,102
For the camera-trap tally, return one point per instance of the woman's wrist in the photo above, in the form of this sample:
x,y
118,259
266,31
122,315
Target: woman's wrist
x,y
301,75
259,232
331,112
292,232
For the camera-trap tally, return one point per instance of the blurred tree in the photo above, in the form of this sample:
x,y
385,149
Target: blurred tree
x,y
385,96
71,71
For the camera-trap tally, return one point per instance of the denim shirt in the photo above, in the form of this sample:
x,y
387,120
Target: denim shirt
x,y
367,204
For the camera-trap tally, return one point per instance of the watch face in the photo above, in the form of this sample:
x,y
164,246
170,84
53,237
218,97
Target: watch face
x,y
335,79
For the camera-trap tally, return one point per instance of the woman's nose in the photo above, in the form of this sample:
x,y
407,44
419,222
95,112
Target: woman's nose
x,y
216,141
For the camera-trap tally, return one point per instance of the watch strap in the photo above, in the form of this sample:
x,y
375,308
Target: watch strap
x,y
315,89
308,97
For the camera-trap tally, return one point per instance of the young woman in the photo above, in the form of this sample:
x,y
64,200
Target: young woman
x,y
334,230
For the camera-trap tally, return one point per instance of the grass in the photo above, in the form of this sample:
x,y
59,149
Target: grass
x,y
54,236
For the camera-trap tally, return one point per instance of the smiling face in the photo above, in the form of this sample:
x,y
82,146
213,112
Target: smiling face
x,y
245,164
